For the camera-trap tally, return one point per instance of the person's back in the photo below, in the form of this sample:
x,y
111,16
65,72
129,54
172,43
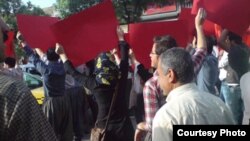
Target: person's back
x,y
238,57
11,69
56,105
208,74
245,89
230,91
52,71
152,101
108,79
21,118
54,79
187,105
194,106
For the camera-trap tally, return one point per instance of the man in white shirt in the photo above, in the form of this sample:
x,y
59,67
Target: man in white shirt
x,y
185,103
245,94
223,62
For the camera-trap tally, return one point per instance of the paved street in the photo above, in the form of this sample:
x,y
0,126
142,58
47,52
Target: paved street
x,y
87,136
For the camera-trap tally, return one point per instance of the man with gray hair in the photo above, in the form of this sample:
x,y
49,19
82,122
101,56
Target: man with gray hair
x,y
185,103
152,94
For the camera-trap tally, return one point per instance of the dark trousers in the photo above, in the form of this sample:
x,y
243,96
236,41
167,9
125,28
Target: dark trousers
x,y
58,112
77,101
139,109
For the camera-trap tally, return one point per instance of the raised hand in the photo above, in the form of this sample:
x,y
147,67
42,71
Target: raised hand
x,y
113,51
120,33
200,17
19,37
59,49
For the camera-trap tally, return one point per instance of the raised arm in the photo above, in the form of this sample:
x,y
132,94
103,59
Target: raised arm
x,y
199,20
117,58
124,47
32,54
141,70
40,53
87,81
201,50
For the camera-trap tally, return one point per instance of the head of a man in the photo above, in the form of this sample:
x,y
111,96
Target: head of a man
x,y
160,45
211,42
234,39
175,68
9,62
238,59
52,55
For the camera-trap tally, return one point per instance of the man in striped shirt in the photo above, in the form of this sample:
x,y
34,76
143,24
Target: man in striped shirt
x,y
152,93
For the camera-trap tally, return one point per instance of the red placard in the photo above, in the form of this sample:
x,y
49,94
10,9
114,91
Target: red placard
x,y
84,35
141,36
246,37
36,30
231,14
208,26
9,50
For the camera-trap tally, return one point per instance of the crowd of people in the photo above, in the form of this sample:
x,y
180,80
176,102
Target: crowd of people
x,y
184,87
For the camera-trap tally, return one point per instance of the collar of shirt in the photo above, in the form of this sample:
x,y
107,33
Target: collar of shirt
x,y
155,81
179,91
156,74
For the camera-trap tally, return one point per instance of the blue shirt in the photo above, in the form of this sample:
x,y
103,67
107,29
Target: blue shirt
x,y
208,74
53,74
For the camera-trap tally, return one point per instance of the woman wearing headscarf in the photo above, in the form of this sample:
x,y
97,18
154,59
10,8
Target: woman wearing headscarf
x,y
107,75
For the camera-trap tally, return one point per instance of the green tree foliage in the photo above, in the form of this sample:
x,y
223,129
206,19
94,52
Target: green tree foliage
x,y
130,11
127,11
9,9
68,7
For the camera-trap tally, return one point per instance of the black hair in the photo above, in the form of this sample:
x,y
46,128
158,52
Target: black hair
x,y
238,59
234,37
10,61
52,55
211,42
5,36
164,43
91,65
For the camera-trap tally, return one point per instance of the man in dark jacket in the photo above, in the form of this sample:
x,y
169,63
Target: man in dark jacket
x,y
56,105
